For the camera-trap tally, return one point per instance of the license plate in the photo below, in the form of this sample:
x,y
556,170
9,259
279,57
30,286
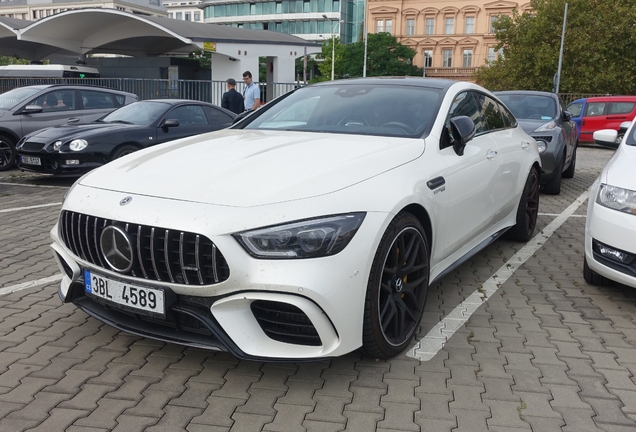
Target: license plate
x,y
31,160
121,293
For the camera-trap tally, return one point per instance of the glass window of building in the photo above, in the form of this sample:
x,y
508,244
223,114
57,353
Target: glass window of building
x,y
312,27
327,5
430,26
428,58
197,16
470,25
450,26
388,26
379,26
448,58
285,7
321,5
321,26
286,27
179,15
169,14
246,9
305,27
279,7
410,27
306,7
491,54
259,8
493,20
252,8
468,58
187,16
279,27
336,6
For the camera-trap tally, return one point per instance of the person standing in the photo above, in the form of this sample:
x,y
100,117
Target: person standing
x,y
251,93
232,100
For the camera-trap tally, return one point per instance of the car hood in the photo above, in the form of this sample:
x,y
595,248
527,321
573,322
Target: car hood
x,y
619,171
74,131
245,168
529,126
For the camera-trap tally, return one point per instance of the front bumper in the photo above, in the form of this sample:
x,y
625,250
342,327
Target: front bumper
x,y
616,230
57,163
550,157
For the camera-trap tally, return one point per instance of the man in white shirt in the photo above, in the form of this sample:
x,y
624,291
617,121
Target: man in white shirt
x,y
251,92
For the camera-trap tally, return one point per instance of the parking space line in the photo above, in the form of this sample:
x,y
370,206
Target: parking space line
x,y
426,348
33,186
30,207
30,284
555,215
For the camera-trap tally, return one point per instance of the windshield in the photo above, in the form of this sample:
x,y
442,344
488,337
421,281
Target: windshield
x,y
138,113
367,109
16,96
630,139
530,107
575,108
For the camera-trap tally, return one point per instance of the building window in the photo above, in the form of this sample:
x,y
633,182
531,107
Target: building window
x,y
470,25
468,58
410,27
179,15
388,26
450,26
169,14
379,26
197,16
493,20
428,58
448,58
491,54
430,26
187,16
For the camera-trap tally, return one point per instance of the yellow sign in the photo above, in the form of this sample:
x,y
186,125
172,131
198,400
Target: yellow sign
x,y
209,46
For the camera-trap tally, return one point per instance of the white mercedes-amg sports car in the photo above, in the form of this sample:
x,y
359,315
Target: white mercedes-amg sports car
x,y
309,229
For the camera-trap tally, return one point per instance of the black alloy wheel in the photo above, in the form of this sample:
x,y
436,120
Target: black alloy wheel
x,y
8,153
396,293
123,151
528,210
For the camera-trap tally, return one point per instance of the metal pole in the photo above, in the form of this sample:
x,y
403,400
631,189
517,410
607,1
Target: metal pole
x,y
333,49
305,66
366,37
558,79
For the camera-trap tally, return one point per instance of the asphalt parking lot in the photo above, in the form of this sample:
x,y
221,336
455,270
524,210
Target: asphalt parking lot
x,y
515,339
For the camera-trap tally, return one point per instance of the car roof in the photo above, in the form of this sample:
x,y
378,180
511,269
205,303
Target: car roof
x,y
526,92
612,99
437,83
78,86
175,101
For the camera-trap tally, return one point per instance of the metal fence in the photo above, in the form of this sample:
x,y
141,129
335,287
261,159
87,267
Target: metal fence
x,y
206,91
568,98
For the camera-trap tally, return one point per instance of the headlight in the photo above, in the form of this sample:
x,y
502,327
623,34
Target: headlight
x,y
546,127
303,239
57,145
78,144
541,146
616,198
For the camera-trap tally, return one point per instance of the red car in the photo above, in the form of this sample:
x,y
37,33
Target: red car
x,y
606,112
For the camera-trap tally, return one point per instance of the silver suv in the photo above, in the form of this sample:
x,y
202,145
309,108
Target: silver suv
x,y
26,109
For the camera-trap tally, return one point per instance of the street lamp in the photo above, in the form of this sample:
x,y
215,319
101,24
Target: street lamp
x,y
333,46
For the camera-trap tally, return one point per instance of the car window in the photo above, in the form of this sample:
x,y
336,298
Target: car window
x,y
466,105
575,108
120,99
508,118
490,112
530,106
353,109
59,100
216,116
139,113
621,107
16,96
594,109
97,99
188,115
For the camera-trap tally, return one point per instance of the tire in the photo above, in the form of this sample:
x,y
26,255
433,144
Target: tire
x,y
528,210
8,154
396,291
619,138
569,173
553,187
594,278
123,151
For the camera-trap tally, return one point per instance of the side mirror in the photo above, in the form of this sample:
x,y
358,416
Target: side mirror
x,y
241,116
624,126
606,137
463,130
32,109
567,115
170,123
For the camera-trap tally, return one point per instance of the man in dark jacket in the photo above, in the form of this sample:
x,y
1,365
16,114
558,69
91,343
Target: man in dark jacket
x,y
232,99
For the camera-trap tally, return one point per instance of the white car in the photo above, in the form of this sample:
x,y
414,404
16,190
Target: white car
x,y
309,229
610,229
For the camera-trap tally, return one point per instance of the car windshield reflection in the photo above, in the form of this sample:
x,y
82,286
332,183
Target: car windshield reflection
x,y
13,97
530,107
137,113
353,108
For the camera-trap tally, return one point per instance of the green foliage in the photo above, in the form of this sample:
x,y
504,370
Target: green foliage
x,y
598,54
4,61
203,57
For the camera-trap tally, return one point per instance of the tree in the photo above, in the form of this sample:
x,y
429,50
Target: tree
x,y
5,60
598,54
325,66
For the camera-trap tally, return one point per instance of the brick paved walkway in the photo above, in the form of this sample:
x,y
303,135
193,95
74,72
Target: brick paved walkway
x,y
547,352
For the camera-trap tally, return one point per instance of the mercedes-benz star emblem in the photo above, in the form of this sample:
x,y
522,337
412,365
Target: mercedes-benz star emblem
x,y
117,248
398,285
125,201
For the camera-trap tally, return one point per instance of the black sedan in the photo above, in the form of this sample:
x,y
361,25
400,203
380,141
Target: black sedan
x,y
542,115
75,149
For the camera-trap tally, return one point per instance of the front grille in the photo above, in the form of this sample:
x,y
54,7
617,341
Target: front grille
x,y
285,323
32,146
160,254
546,138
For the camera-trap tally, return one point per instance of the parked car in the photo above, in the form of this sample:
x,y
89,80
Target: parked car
x,y
309,229
605,112
577,108
75,149
26,109
610,229
544,117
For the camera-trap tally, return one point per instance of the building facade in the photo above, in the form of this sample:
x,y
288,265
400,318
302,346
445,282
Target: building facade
x,y
185,10
451,38
35,9
310,19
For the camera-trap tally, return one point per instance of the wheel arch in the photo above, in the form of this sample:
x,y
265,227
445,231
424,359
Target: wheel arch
x,y
128,143
422,215
9,133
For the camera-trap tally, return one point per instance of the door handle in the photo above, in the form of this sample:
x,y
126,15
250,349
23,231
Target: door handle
x,y
525,144
491,154
436,182
73,120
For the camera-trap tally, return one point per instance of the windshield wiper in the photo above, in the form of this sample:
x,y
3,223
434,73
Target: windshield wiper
x,y
121,121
